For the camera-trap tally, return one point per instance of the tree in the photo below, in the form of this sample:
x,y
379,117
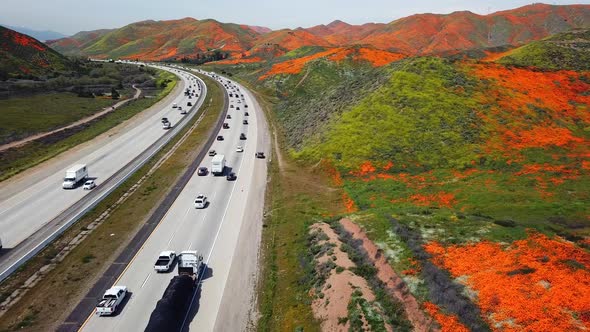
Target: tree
x,y
115,94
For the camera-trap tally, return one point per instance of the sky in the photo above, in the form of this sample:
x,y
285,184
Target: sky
x,y
71,16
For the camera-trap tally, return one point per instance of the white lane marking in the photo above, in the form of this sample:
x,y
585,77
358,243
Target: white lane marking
x,y
179,225
146,279
190,246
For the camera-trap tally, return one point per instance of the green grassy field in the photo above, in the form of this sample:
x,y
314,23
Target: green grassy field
x,y
26,116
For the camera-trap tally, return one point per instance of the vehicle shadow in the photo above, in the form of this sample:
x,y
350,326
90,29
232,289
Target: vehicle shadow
x,y
196,303
4,251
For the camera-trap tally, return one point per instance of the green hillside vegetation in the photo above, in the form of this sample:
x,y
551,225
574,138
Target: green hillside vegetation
x,y
568,50
22,56
423,115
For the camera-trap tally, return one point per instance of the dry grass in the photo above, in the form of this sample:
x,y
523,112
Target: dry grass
x,y
292,204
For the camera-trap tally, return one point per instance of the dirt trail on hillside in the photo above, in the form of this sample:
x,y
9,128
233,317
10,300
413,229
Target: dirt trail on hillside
x,y
72,125
394,284
339,287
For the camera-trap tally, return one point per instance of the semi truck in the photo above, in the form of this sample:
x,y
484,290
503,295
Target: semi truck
x,y
171,309
74,175
218,164
111,300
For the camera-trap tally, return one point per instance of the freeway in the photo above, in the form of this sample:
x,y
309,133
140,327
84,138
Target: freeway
x,y
34,208
218,232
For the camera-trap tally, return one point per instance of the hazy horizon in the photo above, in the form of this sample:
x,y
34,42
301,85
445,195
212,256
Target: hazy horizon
x,y
65,17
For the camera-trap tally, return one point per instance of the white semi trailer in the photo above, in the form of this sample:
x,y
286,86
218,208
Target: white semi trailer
x,y
74,175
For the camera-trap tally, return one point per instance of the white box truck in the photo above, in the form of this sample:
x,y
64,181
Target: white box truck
x,y
74,175
218,164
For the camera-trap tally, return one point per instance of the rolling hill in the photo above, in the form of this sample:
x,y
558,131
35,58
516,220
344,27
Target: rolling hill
x,y
22,56
471,170
162,40
72,45
417,34
568,50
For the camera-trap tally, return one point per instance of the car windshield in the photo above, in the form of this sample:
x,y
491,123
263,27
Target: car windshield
x,y
88,182
69,179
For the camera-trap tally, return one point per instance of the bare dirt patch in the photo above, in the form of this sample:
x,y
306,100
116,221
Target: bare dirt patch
x,y
394,284
332,302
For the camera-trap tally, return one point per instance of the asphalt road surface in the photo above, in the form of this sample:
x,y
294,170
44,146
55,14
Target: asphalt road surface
x,y
216,231
30,203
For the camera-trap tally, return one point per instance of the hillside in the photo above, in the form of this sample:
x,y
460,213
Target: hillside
x,y
163,40
568,50
24,56
72,45
417,34
470,176
429,33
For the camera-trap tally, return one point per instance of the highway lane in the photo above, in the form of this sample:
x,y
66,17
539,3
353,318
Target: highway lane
x,y
30,202
210,231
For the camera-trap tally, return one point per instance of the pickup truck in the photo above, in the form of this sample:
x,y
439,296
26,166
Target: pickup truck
x,y
110,300
165,261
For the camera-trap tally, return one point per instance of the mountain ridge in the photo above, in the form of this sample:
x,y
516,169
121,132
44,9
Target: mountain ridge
x,y
417,34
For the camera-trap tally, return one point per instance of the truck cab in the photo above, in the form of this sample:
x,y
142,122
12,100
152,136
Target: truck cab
x,y
190,263
111,300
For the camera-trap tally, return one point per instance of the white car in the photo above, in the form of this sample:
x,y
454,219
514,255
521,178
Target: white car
x,y
201,201
239,149
88,185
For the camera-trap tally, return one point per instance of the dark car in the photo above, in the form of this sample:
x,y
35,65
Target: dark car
x,y
245,122
231,106
231,176
246,114
238,108
212,153
228,116
260,155
225,125
246,106
202,171
242,136
231,95
189,104
220,138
